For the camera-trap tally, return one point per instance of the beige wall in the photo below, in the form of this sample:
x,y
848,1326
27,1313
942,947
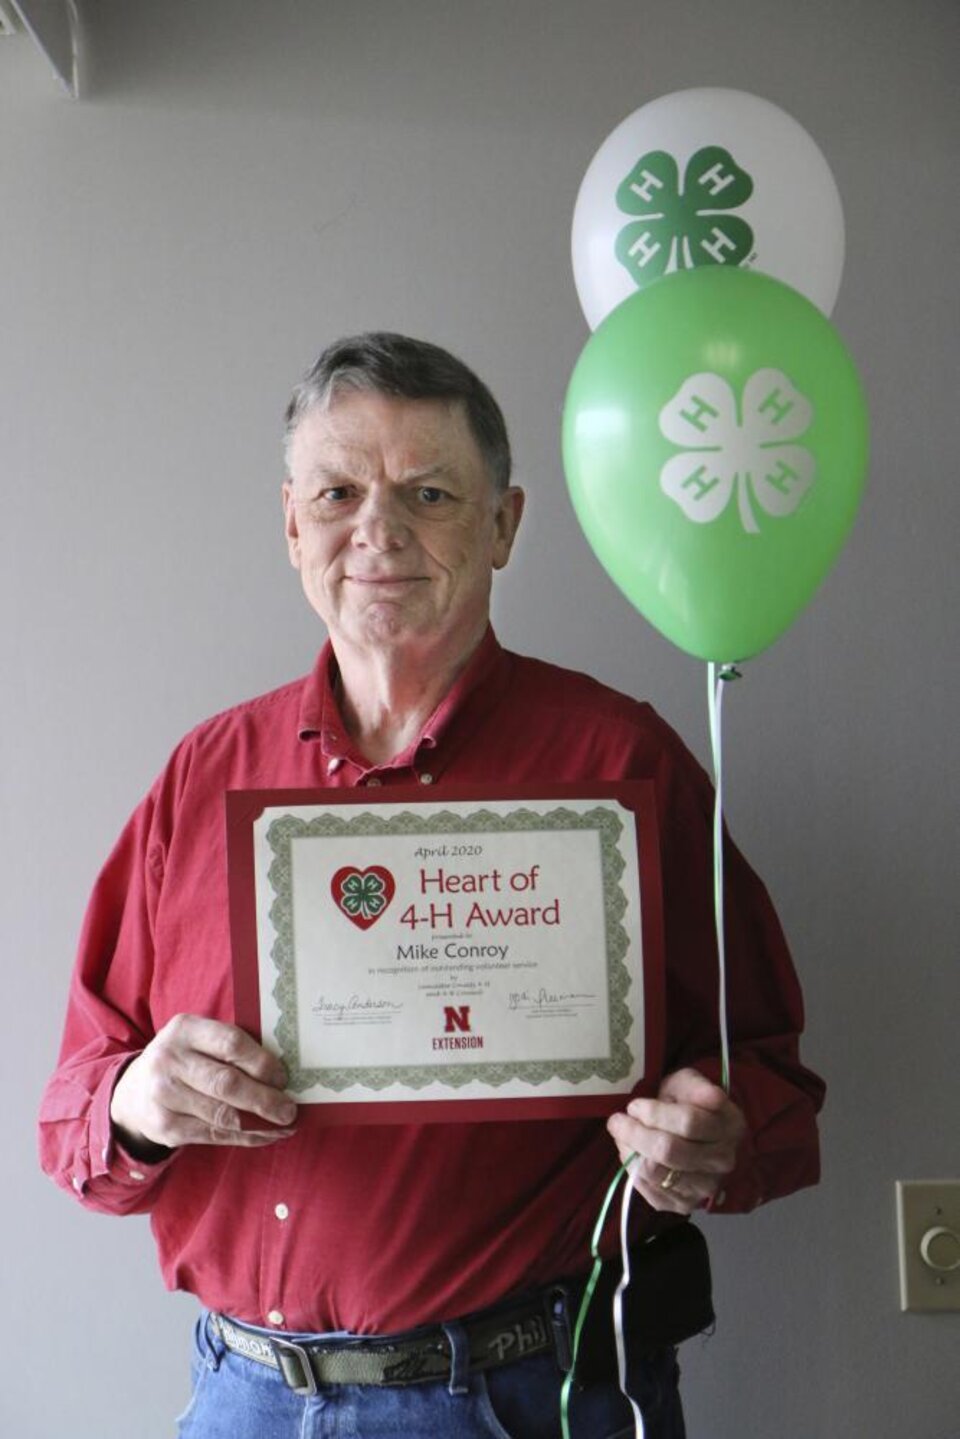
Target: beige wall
x,y
243,182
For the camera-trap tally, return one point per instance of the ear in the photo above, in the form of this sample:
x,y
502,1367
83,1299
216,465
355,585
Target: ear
x,y
290,524
506,521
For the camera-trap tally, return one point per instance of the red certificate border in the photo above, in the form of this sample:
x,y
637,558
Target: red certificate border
x,y
244,808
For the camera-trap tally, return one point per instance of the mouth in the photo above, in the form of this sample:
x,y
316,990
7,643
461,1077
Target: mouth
x,y
385,581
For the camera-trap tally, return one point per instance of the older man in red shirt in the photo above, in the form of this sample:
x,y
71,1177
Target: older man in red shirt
x,y
365,1276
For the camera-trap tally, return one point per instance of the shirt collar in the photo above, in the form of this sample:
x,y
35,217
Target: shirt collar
x,y
477,687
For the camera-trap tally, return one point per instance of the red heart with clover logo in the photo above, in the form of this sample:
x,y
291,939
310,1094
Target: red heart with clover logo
x,y
362,894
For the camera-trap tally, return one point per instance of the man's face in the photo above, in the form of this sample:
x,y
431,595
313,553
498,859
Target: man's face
x,y
394,524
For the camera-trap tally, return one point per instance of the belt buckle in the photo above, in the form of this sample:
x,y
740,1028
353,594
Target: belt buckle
x,y
286,1346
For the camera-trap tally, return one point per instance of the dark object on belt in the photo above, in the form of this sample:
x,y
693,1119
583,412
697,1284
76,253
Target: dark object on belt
x,y
668,1300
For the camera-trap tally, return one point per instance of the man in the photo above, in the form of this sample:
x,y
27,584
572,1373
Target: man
x,y
451,1239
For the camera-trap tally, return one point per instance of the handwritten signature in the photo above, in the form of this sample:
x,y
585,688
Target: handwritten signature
x,y
357,1004
547,998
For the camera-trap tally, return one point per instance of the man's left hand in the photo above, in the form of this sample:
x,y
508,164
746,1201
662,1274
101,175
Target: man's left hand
x,y
686,1140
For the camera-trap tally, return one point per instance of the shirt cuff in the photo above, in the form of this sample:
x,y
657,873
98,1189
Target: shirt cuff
x,y
109,1159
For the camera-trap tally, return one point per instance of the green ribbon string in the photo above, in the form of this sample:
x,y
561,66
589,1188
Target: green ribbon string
x,y
588,1294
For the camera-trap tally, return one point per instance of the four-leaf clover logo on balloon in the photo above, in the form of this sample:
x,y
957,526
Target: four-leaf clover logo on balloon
x,y
749,449
362,895
680,229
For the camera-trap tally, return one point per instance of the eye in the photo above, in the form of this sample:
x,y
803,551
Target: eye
x,y
432,495
335,493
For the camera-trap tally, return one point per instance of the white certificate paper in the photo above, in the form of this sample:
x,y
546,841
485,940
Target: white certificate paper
x,y
477,953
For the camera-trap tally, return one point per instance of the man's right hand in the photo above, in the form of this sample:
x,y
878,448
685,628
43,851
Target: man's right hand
x,y
190,1085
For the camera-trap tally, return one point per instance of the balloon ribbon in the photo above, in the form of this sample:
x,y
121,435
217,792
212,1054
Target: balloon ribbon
x,y
588,1294
717,677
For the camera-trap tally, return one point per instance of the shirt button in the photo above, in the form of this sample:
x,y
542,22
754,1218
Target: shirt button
x,y
282,1212
138,1175
334,764
426,779
77,1183
275,1317
373,781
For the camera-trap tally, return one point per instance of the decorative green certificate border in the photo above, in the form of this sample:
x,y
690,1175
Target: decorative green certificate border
x,y
604,820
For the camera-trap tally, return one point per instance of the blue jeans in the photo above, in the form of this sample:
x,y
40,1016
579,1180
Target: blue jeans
x,y
237,1398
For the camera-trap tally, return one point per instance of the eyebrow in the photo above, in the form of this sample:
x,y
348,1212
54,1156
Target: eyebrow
x,y
429,472
321,474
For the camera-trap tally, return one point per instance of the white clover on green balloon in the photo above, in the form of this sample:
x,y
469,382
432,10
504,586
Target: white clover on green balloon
x,y
715,443
746,449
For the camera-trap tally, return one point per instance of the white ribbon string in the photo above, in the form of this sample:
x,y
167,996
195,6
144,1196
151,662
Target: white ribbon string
x,y
625,1200
717,678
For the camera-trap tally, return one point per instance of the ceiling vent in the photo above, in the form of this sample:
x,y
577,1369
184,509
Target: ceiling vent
x,y
54,27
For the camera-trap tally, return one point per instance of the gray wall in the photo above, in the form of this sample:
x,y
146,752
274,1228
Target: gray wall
x,y
243,182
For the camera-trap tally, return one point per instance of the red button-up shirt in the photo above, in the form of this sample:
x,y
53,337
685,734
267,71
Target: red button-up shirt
x,y
377,1228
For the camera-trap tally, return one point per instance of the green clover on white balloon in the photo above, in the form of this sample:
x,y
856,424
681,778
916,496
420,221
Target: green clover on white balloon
x,y
680,228
746,448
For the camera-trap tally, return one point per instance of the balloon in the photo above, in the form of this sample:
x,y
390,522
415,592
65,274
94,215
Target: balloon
x,y
715,446
706,177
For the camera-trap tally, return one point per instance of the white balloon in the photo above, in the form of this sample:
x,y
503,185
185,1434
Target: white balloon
x,y
725,178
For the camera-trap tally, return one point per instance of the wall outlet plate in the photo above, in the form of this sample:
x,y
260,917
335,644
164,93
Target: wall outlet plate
x,y
928,1230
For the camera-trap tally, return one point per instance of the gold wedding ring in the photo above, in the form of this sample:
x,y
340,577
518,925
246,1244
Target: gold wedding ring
x,y
669,1179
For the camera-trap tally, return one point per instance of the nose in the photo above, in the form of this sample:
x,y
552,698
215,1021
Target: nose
x,y
381,524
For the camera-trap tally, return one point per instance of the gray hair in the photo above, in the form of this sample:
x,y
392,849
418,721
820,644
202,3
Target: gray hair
x,y
386,364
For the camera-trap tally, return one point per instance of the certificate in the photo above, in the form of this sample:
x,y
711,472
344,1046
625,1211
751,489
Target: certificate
x,y
470,955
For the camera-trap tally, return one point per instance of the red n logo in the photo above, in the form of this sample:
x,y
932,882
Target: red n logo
x,y
456,1018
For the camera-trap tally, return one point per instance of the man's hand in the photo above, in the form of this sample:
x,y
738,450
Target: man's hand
x,y
189,1086
687,1137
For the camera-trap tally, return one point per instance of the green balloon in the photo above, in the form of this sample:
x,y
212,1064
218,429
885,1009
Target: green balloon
x,y
715,445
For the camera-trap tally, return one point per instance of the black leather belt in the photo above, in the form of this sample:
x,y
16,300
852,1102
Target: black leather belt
x,y
501,1335
667,1301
